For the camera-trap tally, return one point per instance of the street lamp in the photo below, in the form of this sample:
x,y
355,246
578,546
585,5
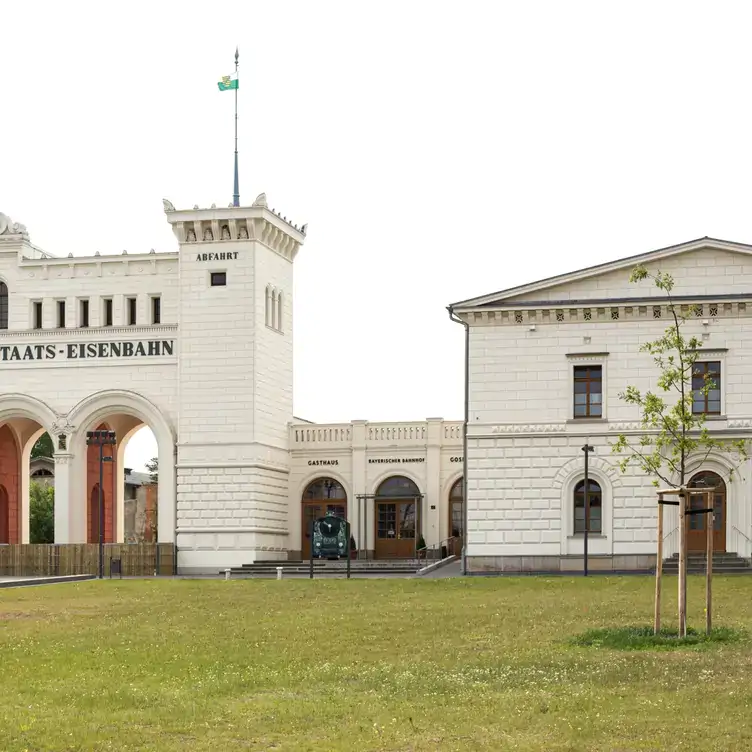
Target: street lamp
x,y
101,439
587,449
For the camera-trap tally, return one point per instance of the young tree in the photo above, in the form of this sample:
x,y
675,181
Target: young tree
x,y
43,447
672,432
153,468
41,513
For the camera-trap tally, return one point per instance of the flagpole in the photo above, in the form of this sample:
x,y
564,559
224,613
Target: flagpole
x,y
236,193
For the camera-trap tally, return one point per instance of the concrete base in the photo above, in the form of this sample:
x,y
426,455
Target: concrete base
x,y
482,565
212,562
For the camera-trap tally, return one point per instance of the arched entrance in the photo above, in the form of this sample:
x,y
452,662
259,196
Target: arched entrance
x,y
108,474
397,509
697,525
322,496
4,516
456,514
93,536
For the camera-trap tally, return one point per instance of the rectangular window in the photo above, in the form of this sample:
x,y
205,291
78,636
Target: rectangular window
x,y
131,303
84,317
706,388
107,318
61,314
37,314
588,391
218,279
156,310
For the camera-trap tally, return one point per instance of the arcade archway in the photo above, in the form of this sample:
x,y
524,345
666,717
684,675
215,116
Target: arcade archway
x,y
397,518
321,497
148,489
457,514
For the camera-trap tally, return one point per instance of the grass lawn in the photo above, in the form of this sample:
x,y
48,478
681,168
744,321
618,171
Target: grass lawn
x,y
475,664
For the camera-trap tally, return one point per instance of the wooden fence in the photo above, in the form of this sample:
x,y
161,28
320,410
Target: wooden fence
x,y
43,559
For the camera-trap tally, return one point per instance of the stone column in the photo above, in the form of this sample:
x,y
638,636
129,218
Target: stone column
x,y
432,501
64,524
359,464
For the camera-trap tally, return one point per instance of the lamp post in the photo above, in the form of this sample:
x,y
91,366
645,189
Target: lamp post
x,y
587,449
101,439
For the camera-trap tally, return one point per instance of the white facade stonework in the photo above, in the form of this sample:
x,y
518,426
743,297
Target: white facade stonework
x,y
206,362
524,444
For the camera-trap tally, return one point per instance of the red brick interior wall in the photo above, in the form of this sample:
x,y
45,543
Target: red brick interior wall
x,y
10,466
151,513
92,494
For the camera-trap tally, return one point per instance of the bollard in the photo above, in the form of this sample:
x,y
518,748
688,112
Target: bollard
x,y
279,573
227,574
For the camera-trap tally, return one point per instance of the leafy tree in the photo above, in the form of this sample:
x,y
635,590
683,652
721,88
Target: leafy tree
x,y
153,467
41,513
672,433
43,447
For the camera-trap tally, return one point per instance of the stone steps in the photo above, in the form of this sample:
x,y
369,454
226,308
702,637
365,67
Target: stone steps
x,y
723,563
268,568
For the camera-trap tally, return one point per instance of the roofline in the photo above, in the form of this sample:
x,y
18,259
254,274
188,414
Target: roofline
x,y
481,300
578,302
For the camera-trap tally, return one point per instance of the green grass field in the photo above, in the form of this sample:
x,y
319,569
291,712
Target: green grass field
x,y
473,664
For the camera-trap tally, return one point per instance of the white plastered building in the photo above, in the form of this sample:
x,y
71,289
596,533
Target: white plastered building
x,y
545,365
197,344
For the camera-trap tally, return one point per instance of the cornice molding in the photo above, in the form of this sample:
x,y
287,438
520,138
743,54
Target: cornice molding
x,y
93,333
507,428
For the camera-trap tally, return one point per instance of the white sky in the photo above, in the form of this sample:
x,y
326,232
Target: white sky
x,y
438,151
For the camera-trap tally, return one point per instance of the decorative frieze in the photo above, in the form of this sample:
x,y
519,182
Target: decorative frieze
x,y
528,315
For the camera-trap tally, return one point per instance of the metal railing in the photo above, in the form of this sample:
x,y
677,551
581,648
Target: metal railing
x,y
441,550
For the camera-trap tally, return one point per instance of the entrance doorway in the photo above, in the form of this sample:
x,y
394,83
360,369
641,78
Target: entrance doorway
x,y
697,524
4,516
456,515
397,507
323,496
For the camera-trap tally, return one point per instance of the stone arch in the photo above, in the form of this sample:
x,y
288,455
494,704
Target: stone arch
x,y
323,472
608,478
95,409
397,470
23,406
577,465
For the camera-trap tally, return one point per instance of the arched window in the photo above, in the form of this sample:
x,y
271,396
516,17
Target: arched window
x,y
268,306
42,473
595,497
323,489
3,305
279,312
273,322
398,487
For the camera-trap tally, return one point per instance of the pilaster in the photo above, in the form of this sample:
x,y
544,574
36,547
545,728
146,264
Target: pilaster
x,y
431,512
359,526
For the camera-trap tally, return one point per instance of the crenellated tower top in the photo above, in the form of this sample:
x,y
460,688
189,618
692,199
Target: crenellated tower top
x,y
232,223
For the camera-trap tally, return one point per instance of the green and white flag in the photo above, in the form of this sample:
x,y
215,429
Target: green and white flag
x,y
228,82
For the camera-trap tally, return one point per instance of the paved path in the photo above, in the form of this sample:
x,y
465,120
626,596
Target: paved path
x,y
6,582
453,569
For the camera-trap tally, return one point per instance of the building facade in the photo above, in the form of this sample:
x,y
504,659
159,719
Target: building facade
x,y
546,364
197,344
